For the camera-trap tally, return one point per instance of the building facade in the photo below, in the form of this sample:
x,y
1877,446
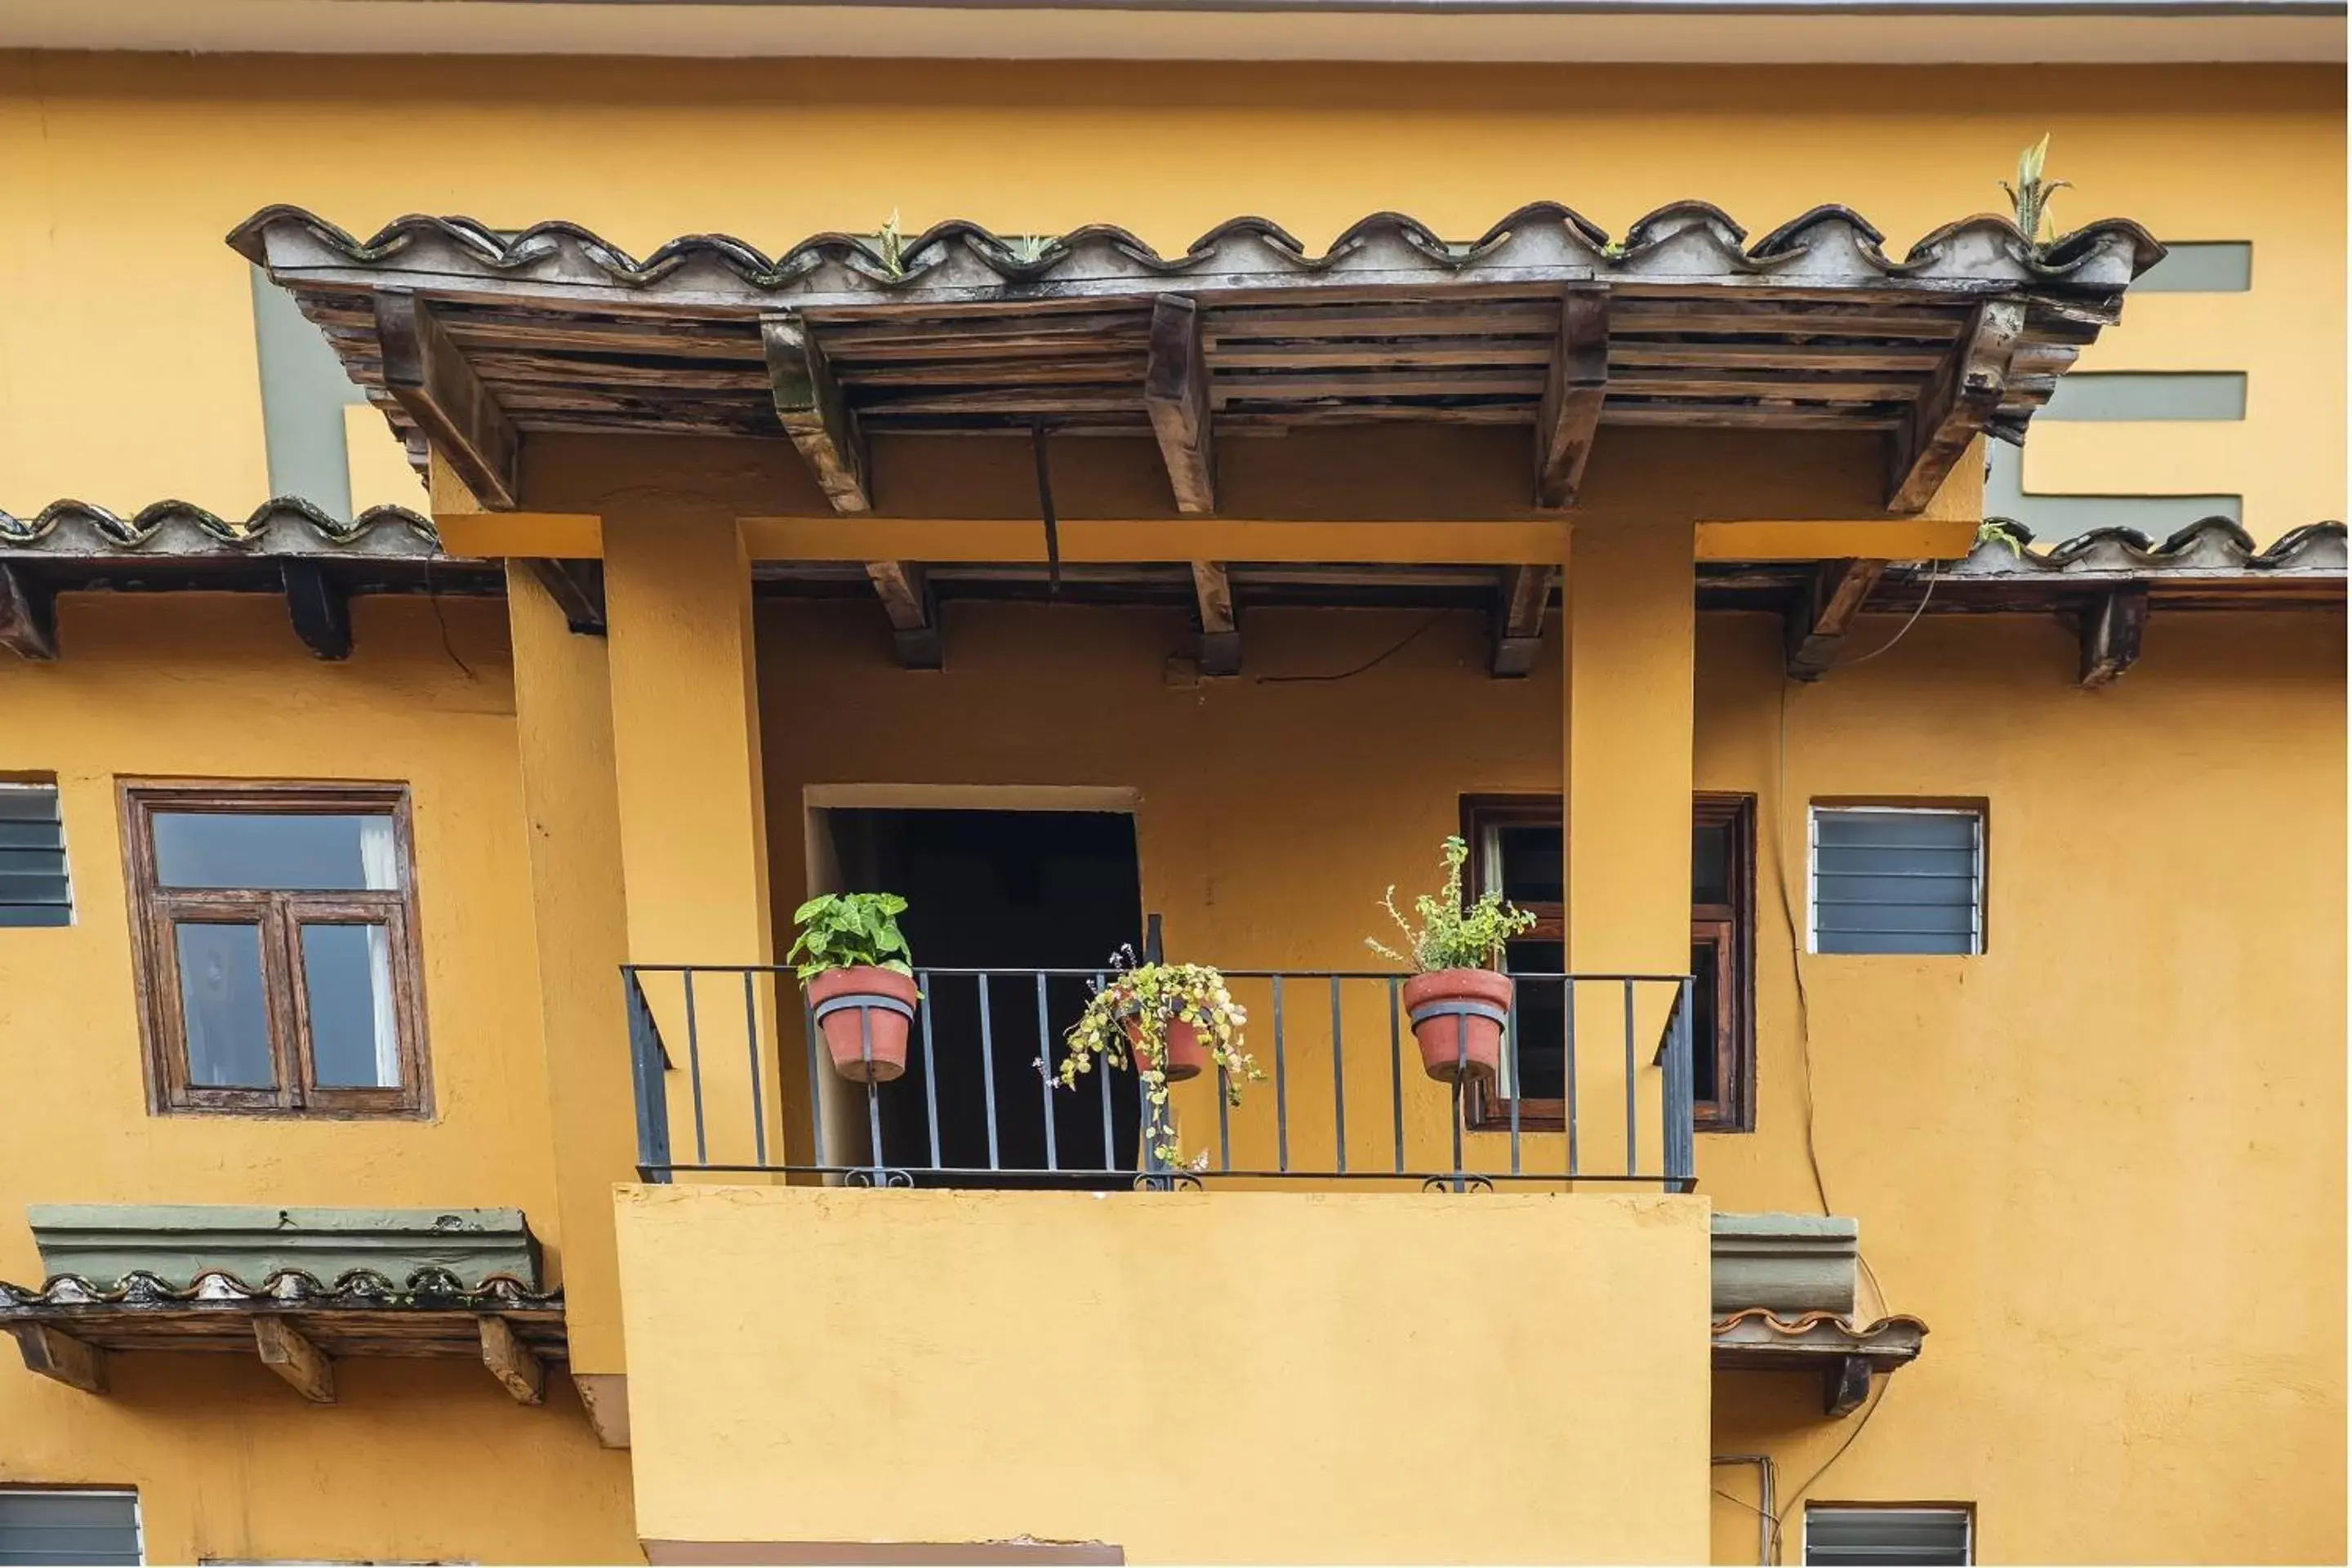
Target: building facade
x,y
442,655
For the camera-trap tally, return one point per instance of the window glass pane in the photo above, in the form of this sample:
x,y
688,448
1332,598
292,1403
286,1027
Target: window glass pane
x,y
347,980
1711,863
290,851
1542,1008
221,1003
1531,863
1705,956
69,1526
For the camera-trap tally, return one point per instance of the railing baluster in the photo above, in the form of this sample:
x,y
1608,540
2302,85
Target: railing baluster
x,y
873,1091
1102,1073
1568,1066
988,1068
1339,1088
1461,1060
1224,1119
1281,1088
931,1066
752,1043
1045,1073
1396,1071
1518,1084
816,1083
694,1071
648,1062
1631,1083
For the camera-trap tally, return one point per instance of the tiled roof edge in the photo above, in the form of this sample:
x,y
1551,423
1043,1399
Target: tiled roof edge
x,y
2209,546
436,1289
2104,256
1810,1322
68,522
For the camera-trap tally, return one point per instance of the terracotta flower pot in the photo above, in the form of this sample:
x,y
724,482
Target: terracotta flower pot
x,y
1457,1020
873,1050
1186,1055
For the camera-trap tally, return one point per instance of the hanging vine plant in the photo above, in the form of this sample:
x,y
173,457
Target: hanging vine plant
x,y
1171,1022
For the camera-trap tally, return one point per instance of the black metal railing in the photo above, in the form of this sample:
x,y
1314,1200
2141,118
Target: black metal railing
x,y
722,1087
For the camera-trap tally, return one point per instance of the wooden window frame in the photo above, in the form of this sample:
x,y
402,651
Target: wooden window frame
x,y
281,914
1734,1109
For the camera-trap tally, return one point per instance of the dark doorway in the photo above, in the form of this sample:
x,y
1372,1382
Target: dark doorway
x,y
1009,891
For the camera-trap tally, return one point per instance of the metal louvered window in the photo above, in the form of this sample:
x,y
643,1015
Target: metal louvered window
x,y
1850,1537
34,887
42,1525
1890,879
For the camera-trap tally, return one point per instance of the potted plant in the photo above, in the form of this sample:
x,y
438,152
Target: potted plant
x,y
1457,998
1171,1020
853,963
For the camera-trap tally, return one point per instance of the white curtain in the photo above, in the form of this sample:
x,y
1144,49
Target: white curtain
x,y
380,869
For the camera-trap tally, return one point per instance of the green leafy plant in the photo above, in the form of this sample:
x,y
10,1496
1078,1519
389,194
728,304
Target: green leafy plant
x,y
2029,197
892,245
1150,997
1451,935
847,931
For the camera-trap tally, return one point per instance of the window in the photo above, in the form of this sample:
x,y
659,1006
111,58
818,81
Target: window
x,y
1517,845
276,932
67,1525
1842,1534
34,887
1889,878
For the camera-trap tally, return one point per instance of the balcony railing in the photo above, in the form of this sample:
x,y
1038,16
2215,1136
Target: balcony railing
x,y
722,1087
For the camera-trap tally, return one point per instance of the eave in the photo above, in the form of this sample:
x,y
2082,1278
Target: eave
x,y
1844,1353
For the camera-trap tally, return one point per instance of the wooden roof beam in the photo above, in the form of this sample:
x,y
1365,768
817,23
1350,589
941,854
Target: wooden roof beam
x,y
1176,391
1574,389
810,405
1221,634
1817,627
28,621
522,1373
1955,406
578,589
52,1352
906,593
285,1351
429,378
2111,631
1525,592
319,607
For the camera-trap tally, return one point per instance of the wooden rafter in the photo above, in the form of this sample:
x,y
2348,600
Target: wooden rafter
x,y
1176,391
906,595
285,1351
1220,636
1845,1385
1575,386
1959,402
1523,593
522,1373
1817,626
578,589
809,405
55,1353
2111,628
319,608
28,626
430,379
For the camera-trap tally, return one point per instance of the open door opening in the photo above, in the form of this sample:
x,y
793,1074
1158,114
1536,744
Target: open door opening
x,y
1012,892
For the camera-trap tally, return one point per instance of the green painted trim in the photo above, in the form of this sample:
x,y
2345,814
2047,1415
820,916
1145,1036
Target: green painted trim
x,y
304,392
175,1242
1787,1263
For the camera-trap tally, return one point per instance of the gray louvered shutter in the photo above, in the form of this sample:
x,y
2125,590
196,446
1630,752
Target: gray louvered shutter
x,y
1855,1537
40,1527
1889,880
34,887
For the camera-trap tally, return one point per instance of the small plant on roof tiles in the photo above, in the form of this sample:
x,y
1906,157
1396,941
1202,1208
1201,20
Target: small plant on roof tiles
x,y
2029,197
892,246
849,931
1451,934
1170,1021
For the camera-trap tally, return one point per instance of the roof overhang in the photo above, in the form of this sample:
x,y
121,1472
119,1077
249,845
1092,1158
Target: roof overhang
x,y
473,340
1843,1353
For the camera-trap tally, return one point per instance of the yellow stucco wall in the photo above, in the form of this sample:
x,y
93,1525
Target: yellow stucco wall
x,y
124,174
228,1460
1190,1377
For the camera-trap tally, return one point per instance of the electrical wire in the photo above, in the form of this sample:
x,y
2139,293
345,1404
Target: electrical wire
x,y
1372,663
434,598
1798,1497
1903,631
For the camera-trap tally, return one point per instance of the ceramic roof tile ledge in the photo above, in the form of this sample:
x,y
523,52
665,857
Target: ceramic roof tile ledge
x,y
283,525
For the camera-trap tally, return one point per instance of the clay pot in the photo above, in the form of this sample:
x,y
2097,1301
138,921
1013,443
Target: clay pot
x,y
1469,1043
1186,1055
876,1050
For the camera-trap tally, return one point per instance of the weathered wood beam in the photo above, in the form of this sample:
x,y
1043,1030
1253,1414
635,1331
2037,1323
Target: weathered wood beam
x,y
511,1362
29,618
809,406
1574,389
428,376
1817,626
605,1396
285,1351
906,593
320,610
2111,631
578,589
1845,1384
1524,593
1176,391
1221,633
52,1352
1955,405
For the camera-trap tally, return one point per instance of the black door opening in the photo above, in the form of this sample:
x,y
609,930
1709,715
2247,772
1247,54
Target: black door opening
x,y
1005,891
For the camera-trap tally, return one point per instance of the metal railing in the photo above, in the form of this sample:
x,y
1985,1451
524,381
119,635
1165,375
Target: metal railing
x,y
722,1088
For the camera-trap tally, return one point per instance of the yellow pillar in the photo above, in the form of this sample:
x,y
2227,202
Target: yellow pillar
x,y
563,724
693,823
1629,625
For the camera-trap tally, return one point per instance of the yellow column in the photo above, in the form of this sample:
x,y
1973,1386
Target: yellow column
x,y
1629,626
563,724
693,823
